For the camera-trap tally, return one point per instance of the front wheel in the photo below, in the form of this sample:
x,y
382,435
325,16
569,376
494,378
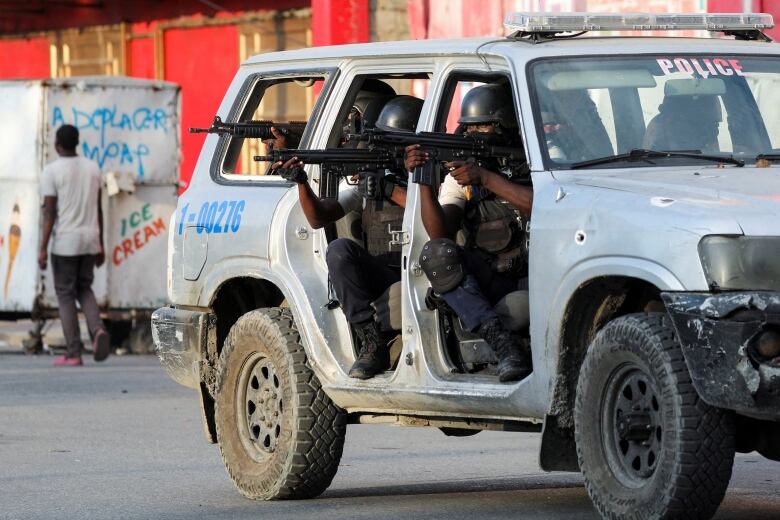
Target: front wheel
x,y
647,445
279,433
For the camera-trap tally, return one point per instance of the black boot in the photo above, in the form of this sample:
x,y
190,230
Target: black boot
x,y
374,354
513,363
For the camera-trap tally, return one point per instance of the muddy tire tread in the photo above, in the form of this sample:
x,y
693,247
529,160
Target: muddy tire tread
x,y
320,426
705,447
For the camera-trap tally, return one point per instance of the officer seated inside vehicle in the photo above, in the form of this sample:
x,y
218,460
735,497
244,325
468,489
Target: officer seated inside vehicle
x,y
487,205
578,132
360,275
685,123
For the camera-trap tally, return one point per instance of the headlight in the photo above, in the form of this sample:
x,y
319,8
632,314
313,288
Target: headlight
x,y
741,263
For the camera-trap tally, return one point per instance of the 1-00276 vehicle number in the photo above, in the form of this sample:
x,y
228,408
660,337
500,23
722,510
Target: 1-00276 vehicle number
x,y
219,216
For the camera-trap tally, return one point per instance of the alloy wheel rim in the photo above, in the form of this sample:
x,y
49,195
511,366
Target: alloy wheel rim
x,y
260,407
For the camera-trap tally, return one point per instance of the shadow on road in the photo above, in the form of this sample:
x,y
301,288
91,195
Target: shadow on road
x,y
524,483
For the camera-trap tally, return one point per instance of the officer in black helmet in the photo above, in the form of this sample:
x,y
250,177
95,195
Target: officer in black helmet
x,y
487,208
365,109
360,275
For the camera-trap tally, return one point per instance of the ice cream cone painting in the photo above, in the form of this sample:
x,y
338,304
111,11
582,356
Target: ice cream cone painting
x,y
14,238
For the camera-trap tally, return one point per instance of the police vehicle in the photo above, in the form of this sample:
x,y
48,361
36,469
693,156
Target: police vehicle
x,y
654,285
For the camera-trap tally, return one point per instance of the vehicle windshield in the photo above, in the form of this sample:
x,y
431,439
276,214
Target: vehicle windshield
x,y
594,108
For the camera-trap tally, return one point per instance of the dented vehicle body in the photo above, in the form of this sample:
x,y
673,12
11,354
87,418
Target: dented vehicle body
x,y
606,241
720,335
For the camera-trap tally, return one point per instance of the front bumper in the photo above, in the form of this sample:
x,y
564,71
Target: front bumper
x,y
180,338
718,333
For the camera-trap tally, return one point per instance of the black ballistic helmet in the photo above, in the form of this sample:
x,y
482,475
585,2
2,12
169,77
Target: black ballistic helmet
x,y
368,103
400,113
366,109
488,104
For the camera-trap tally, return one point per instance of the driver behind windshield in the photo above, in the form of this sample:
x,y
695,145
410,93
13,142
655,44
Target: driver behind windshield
x,y
685,123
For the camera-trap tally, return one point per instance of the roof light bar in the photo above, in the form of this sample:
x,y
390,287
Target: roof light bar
x,y
575,22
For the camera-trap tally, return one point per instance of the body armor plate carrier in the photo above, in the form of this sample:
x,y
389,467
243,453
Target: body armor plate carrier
x,y
497,230
377,225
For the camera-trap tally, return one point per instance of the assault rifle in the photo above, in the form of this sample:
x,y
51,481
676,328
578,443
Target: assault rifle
x,y
443,147
368,165
254,129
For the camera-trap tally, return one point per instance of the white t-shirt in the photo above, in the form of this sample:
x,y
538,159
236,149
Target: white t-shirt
x,y
349,198
453,193
75,181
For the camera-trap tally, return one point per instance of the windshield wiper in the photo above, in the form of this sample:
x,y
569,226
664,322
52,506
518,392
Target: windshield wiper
x,y
639,154
769,156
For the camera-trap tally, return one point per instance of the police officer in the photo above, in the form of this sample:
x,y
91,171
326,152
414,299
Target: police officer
x,y
489,207
365,109
360,275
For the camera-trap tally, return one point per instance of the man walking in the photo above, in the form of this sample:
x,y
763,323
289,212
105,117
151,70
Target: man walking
x,y
70,188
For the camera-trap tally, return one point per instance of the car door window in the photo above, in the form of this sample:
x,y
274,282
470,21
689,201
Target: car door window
x,y
285,100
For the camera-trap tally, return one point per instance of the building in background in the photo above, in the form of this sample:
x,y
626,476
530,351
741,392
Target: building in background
x,y
200,43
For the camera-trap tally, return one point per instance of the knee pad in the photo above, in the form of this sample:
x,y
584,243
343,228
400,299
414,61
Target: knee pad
x,y
441,261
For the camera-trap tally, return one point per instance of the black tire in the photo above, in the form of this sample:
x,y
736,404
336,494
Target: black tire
x,y
669,458
280,435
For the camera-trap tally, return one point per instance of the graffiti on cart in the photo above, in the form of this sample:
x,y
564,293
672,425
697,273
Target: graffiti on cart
x,y
136,230
110,135
14,240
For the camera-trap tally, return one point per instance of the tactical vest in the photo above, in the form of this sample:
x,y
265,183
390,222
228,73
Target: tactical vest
x,y
377,225
497,230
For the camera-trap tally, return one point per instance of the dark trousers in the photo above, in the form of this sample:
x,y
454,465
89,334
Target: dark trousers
x,y
473,300
73,276
359,278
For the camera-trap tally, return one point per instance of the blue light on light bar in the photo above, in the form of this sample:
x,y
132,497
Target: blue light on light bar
x,y
575,22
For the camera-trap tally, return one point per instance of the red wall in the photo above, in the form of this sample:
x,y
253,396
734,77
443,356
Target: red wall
x,y
339,21
24,58
203,61
140,51
43,16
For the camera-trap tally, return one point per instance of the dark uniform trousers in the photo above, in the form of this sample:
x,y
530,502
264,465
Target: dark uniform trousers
x,y
473,300
358,277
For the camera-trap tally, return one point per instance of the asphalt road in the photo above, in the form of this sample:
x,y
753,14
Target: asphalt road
x,y
122,441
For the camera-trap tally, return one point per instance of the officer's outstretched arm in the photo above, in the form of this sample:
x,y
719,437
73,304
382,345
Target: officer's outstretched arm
x,y
521,197
319,212
398,196
439,222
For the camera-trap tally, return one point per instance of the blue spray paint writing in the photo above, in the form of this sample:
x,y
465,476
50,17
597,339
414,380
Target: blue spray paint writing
x,y
127,154
102,119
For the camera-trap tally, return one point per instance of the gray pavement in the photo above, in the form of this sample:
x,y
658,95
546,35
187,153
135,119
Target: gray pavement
x,y
120,440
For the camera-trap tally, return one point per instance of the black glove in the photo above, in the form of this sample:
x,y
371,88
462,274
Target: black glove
x,y
296,175
376,187
389,182
368,185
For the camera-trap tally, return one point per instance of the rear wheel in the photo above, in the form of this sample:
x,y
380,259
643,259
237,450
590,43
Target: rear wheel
x,y
647,445
279,434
